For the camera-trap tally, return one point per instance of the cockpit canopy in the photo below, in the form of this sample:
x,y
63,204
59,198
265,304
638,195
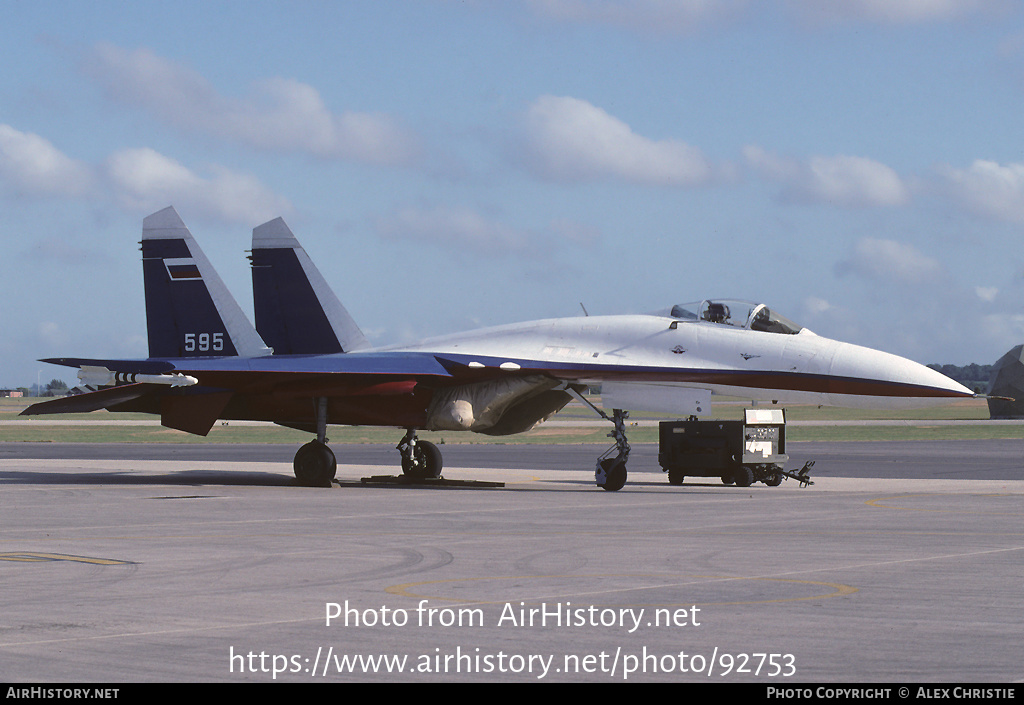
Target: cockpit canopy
x,y
740,314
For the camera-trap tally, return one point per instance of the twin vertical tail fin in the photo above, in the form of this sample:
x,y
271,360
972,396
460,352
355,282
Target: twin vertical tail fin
x,y
296,311
189,311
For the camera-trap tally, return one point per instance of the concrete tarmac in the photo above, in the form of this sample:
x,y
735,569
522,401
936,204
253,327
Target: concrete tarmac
x,y
902,564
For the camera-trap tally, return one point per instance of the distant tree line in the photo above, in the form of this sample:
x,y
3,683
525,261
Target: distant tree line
x,y
972,376
56,388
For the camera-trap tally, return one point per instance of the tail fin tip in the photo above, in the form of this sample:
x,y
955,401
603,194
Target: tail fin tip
x,y
273,234
164,223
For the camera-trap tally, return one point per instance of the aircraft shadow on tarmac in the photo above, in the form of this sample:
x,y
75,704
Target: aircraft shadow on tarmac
x,y
126,477
228,478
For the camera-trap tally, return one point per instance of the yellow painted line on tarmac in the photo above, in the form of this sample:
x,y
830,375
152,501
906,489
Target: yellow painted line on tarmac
x,y
33,557
881,503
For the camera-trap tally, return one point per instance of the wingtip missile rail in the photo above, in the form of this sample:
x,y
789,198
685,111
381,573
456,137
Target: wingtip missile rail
x,y
97,377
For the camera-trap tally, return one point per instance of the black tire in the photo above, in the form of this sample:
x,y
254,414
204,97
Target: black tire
x,y
744,477
428,461
774,479
676,476
315,465
614,473
728,479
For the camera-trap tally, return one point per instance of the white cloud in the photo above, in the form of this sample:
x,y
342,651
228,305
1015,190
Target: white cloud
x,y
816,306
280,114
461,228
986,293
839,180
661,16
890,262
570,139
687,16
465,229
30,165
138,179
894,12
988,188
145,180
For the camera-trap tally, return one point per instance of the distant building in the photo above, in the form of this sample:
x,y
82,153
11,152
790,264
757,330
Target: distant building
x,y
11,393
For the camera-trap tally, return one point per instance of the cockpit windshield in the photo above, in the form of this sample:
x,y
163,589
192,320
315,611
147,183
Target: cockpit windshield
x,y
741,314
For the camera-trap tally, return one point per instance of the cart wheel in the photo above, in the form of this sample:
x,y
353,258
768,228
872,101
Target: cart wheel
x,y
774,479
728,479
744,477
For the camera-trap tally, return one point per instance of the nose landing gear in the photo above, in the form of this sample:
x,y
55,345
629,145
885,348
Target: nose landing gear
x,y
610,472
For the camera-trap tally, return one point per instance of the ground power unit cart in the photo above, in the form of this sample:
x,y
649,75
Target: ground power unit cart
x,y
739,452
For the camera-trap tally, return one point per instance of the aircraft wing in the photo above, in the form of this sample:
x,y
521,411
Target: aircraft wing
x,y
190,394
89,401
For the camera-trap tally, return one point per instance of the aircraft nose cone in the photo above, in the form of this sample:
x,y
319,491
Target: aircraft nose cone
x,y
892,381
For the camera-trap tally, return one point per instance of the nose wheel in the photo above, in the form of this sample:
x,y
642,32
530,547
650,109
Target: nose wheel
x,y
610,473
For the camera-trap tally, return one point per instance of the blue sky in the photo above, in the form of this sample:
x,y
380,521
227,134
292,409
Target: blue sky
x,y
858,165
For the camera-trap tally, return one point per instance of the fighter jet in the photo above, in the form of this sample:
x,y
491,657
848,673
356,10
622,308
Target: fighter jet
x,y
306,364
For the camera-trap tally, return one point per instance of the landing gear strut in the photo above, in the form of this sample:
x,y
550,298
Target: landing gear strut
x,y
315,464
610,472
420,459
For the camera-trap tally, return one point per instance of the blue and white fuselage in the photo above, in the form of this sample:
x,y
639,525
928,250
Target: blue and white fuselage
x,y
687,354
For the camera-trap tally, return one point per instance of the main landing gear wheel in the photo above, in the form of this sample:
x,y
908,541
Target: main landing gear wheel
x,y
315,465
676,476
420,459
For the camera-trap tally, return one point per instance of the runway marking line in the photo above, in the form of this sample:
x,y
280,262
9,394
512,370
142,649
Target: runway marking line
x,y
33,557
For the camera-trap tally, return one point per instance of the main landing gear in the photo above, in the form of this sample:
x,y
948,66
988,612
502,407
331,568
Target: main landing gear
x,y
315,464
420,459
